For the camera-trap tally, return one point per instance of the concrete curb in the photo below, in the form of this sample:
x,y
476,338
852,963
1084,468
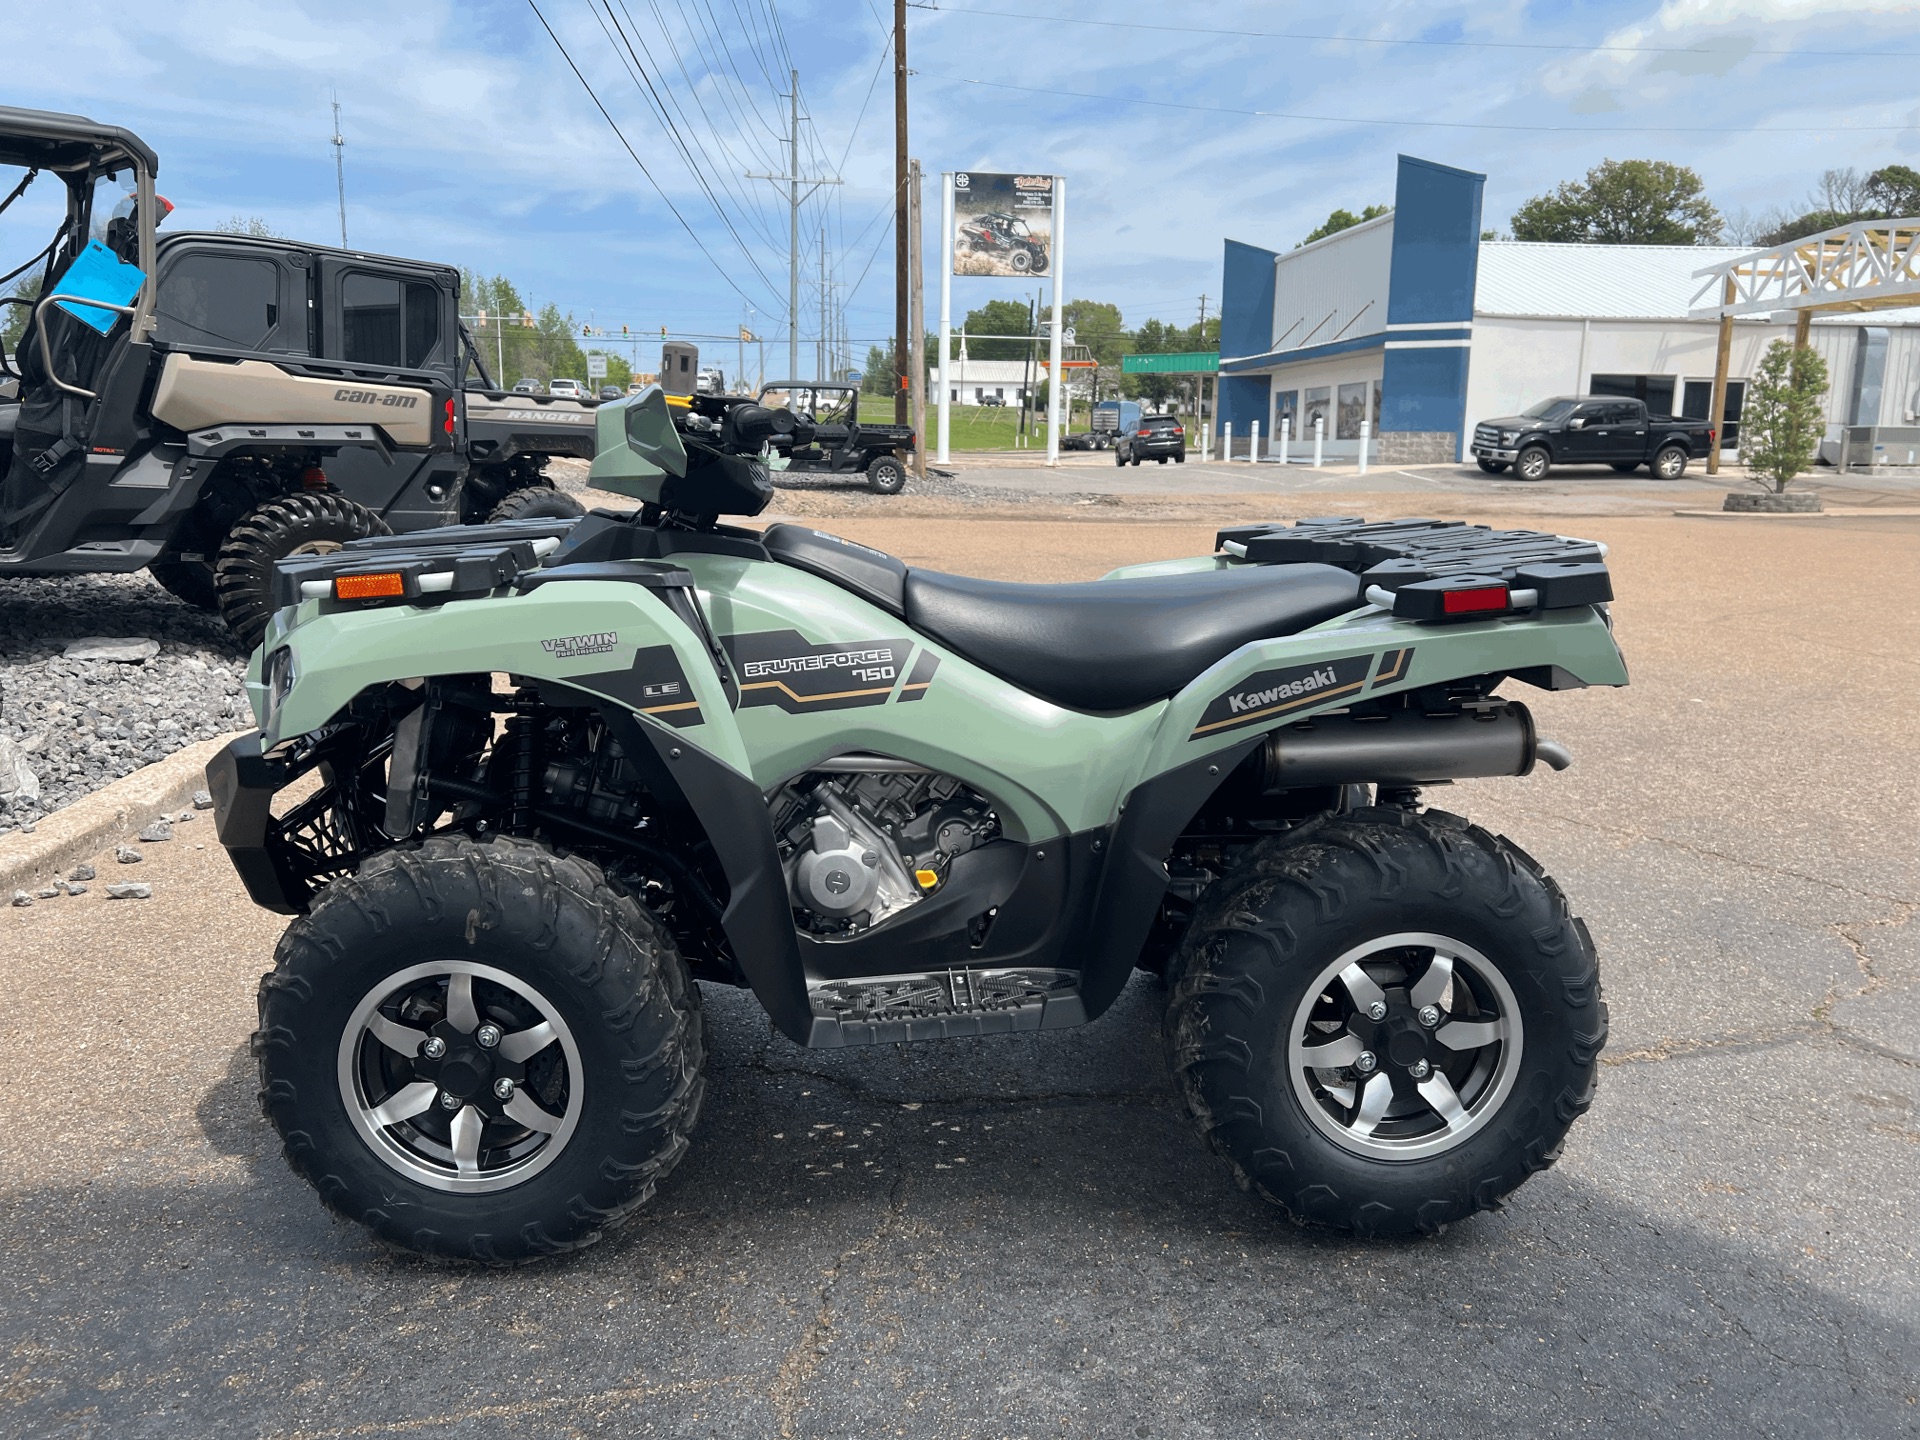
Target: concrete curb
x,y
110,814
1860,512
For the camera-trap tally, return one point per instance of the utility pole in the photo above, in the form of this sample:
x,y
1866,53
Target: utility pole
x,y
824,363
794,180
917,323
901,305
340,168
1203,319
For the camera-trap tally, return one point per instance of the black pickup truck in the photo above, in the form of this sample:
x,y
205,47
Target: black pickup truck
x,y
1590,430
843,443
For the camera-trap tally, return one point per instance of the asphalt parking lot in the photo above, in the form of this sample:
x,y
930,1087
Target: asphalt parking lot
x,y
1023,1236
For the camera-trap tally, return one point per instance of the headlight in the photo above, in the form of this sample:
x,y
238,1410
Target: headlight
x,y
279,676
1507,437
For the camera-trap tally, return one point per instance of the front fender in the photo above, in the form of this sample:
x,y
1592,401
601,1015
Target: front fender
x,y
613,639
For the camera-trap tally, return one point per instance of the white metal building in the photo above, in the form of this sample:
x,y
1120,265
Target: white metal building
x,y
1414,324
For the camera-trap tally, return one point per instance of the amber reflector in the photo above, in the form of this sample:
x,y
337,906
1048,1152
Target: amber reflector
x,y
386,585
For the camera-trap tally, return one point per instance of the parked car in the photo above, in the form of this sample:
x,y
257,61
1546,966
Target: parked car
x,y
1590,430
1159,438
528,387
993,402
571,389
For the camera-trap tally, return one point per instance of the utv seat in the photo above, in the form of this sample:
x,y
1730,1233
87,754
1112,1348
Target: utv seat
x,y
1099,645
1115,644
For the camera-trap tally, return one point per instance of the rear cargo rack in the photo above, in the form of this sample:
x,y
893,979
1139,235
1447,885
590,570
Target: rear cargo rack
x,y
1436,570
452,562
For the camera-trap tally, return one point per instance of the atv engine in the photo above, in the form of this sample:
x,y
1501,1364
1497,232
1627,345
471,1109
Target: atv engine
x,y
860,846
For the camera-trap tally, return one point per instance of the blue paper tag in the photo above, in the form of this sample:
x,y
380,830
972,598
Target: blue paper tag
x,y
98,274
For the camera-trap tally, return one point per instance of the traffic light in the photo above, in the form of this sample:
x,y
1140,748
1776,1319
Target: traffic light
x,y
526,318
663,332
623,329
585,331
483,319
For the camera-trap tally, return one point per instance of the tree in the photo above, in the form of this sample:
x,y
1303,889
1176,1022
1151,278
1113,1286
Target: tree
x,y
1624,202
1344,220
1096,325
1895,190
999,317
13,318
1783,419
252,225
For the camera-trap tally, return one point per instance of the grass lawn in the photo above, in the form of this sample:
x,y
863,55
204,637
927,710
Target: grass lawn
x,y
984,427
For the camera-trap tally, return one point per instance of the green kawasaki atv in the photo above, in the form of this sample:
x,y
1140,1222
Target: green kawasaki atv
x,y
521,784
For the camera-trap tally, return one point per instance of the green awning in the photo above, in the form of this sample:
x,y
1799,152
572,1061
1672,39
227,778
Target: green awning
x,y
1183,362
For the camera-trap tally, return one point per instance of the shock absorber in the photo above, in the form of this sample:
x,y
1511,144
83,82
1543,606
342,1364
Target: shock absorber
x,y
523,744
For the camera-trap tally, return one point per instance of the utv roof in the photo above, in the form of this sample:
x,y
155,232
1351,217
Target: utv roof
x,y
807,385
50,140
275,242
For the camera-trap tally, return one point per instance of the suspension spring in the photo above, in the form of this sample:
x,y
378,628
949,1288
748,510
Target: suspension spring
x,y
523,740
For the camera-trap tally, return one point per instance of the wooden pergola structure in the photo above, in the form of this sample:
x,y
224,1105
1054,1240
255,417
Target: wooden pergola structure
x,y
1869,265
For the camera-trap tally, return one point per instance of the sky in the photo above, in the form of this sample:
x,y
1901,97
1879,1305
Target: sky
x,y
470,140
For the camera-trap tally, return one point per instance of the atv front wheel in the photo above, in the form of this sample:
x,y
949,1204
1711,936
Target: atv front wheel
x,y
480,1051
310,523
537,502
886,476
1386,1021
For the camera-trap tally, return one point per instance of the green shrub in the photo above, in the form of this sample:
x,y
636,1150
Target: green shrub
x,y
1784,418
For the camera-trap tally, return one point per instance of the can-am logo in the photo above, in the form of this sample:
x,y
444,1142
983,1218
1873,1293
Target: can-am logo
x,y
1260,699
377,397
565,647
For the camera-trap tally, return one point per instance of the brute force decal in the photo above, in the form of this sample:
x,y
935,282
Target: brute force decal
x,y
1393,668
1269,694
654,685
780,667
920,677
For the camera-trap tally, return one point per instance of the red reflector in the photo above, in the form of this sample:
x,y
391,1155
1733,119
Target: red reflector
x,y
1467,602
383,586
449,421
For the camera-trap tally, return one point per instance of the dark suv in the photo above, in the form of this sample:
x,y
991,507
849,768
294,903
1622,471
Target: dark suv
x,y
1156,437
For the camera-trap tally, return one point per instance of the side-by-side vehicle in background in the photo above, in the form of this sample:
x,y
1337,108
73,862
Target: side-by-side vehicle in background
x,y
203,405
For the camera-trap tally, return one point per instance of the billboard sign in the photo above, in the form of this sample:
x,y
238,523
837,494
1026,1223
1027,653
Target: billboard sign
x,y
1002,224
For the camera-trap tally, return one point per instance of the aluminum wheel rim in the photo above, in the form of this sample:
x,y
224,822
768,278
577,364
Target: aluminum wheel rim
x,y
1366,1006
392,1087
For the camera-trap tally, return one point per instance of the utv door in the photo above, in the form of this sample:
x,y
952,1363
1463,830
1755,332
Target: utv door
x,y
395,326
833,426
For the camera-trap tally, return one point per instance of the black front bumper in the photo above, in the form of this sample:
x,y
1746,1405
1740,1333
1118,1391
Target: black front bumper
x,y
243,782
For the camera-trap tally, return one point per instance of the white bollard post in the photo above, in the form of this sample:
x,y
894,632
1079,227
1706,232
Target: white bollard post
x,y
1366,428
1286,429
1226,441
1253,443
1319,438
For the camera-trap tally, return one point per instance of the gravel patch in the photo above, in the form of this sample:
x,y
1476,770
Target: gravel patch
x,y
76,724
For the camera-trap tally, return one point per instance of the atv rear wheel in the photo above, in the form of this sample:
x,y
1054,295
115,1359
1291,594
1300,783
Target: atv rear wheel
x,y
480,1050
537,502
311,523
886,476
1386,1021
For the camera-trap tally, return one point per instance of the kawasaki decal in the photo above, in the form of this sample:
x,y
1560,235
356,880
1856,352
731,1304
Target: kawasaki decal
x,y
780,667
1393,668
1270,694
920,677
655,685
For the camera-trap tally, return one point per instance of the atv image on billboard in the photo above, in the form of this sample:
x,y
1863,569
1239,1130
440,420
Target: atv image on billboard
x,y
1002,224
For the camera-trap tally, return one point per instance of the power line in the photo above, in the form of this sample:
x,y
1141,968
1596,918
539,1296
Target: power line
x,y
643,82
1421,124
621,136
1379,40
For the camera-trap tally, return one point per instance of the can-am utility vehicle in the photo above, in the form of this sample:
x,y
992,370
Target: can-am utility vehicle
x,y
842,443
257,398
1005,237
522,785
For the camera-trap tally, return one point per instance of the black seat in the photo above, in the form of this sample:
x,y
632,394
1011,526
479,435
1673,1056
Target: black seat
x,y
873,575
1115,644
